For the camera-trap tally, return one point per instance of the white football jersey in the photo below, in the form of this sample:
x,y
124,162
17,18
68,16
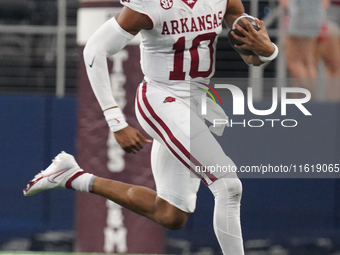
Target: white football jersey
x,y
180,48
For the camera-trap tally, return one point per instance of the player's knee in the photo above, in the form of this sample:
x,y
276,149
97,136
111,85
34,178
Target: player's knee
x,y
235,188
169,216
232,187
174,221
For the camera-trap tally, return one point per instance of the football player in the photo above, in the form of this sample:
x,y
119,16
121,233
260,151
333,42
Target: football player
x,y
177,58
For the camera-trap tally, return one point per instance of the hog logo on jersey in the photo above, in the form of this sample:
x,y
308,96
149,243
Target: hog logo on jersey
x,y
169,100
190,3
166,4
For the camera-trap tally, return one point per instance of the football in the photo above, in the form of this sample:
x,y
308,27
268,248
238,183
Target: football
x,y
234,41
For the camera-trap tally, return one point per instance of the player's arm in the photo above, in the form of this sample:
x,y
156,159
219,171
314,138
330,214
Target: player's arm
x,y
256,41
109,39
132,21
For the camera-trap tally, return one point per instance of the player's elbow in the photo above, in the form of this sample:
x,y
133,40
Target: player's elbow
x,y
93,50
89,52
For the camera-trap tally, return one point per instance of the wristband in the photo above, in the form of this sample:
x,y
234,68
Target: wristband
x,y
115,119
271,57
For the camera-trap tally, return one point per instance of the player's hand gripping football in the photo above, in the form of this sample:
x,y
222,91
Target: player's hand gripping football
x,y
130,139
255,41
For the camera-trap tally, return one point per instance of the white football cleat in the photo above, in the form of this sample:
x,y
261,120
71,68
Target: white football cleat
x,y
59,175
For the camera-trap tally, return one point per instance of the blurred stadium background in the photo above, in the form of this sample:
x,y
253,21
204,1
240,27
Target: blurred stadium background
x,y
47,106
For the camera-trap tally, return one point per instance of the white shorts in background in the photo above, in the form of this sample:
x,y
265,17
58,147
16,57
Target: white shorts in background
x,y
183,144
306,18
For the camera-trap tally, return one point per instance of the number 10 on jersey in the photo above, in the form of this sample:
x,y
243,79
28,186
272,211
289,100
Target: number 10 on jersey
x,y
179,47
